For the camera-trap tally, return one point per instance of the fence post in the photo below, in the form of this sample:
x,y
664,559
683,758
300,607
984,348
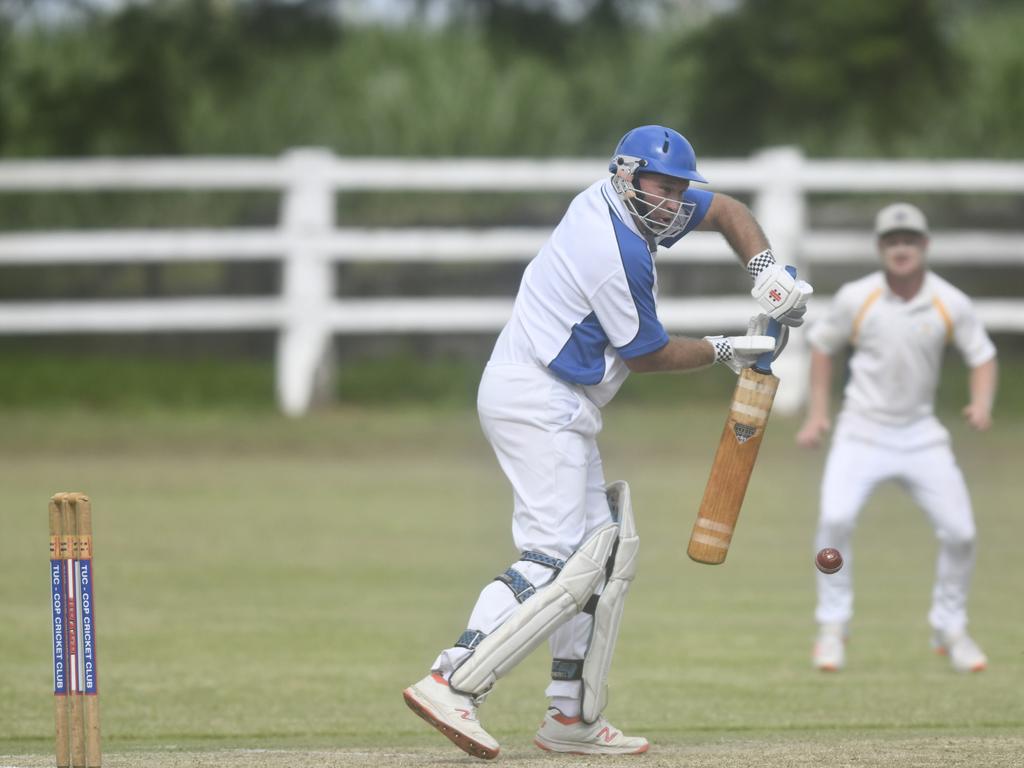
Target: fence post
x,y
781,207
303,366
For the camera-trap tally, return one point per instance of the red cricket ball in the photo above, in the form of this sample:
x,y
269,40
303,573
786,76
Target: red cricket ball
x,y
828,560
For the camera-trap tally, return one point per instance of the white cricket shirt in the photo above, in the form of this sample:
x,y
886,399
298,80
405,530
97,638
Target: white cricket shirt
x,y
587,300
898,344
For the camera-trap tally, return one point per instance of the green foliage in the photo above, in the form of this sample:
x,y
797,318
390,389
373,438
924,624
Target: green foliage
x,y
776,72
907,77
406,92
513,78
109,382
116,383
984,118
406,380
124,83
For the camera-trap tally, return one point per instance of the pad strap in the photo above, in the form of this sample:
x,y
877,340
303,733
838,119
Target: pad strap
x,y
539,557
521,587
567,669
470,639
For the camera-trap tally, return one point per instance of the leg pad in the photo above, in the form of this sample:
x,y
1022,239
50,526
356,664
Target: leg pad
x,y
538,616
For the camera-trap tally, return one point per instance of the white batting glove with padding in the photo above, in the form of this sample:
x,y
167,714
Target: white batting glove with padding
x,y
739,352
781,295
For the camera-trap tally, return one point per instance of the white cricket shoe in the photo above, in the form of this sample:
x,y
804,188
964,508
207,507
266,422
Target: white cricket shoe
x,y
964,654
830,648
453,714
559,733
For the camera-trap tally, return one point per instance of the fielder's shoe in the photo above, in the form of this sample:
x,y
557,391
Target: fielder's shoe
x,y
964,654
830,648
453,714
559,733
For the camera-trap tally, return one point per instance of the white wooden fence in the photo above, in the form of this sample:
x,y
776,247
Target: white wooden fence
x,y
308,243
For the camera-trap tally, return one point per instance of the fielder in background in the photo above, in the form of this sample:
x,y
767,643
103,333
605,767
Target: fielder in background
x,y
898,322
584,317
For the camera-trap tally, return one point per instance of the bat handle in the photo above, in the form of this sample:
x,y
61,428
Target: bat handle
x,y
764,362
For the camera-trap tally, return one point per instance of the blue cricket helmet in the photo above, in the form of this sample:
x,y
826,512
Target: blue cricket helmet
x,y
660,150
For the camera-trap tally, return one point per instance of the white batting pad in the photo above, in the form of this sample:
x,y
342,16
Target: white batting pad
x,y
536,618
608,612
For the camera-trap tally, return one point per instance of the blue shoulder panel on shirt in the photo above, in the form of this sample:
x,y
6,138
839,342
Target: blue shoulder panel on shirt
x,y
581,359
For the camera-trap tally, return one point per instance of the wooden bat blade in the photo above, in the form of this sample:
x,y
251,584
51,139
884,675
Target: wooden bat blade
x,y
732,467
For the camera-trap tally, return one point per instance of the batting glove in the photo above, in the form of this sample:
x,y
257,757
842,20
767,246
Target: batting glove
x,y
781,295
739,352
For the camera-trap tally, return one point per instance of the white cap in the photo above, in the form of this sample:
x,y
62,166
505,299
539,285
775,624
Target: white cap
x,y
900,217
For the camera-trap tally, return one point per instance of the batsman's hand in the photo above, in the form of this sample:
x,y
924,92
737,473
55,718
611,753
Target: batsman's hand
x,y
781,295
739,352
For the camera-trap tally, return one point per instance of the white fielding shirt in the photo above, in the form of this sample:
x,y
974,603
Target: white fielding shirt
x,y
587,300
898,345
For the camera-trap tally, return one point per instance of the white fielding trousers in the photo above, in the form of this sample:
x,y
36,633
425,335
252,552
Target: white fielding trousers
x,y
543,431
859,460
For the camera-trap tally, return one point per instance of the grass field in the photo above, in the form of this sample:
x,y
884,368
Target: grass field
x,y
266,588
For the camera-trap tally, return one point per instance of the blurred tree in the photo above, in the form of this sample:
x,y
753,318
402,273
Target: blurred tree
x,y
288,24
789,71
513,28
124,83
510,77
985,118
5,66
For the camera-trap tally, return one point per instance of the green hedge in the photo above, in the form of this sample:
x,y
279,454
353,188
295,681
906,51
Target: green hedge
x,y
101,382
30,381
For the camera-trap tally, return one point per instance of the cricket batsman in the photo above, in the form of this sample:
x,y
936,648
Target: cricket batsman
x,y
584,317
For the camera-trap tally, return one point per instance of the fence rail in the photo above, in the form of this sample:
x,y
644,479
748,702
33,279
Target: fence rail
x,y
432,245
308,244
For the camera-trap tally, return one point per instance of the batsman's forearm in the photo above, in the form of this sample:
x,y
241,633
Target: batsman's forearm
x,y
680,354
737,225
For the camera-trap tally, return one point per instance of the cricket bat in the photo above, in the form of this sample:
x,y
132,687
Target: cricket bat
x,y
735,458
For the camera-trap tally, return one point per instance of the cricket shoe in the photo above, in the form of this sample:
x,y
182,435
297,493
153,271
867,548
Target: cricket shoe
x,y
830,648
453,714
964,654
571,735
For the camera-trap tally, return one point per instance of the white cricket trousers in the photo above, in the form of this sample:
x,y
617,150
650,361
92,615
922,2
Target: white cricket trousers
x,y
543,431
930,473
